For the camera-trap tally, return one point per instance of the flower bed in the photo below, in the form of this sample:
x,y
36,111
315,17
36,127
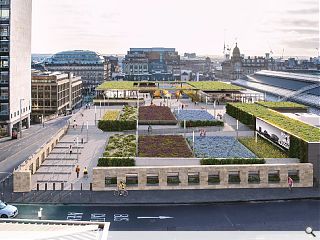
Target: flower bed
x,y
220,147
193,115
156,115
121,146
263,148
128,114
111,115
127,121
164,146
231,161
116,162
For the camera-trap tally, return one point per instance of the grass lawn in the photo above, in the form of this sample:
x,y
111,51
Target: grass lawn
x,y
263,148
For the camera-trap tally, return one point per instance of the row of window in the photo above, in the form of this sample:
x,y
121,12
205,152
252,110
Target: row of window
x,y
17,113
194,178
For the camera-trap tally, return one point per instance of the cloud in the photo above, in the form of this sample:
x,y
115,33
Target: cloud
x,y
304,11
306,43
306,31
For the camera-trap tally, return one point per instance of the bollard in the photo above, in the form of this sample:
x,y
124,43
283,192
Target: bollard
x,y
81,187
62,186
2,197
38,187
54,186
45,186
71,186
90,186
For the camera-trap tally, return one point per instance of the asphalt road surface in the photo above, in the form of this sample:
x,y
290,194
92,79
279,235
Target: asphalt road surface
x,y
14,152
262,216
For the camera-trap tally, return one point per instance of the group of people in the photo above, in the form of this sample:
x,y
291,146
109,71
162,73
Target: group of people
x,y
203,133
85,172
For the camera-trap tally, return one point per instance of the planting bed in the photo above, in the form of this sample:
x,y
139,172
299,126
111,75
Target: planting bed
x,y
220,147
121,146
128,114
164,146
111,115
156,115
193,115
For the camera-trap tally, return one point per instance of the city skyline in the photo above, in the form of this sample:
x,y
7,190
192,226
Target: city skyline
x,y
282,27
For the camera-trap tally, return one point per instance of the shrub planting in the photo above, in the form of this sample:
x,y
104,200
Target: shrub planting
x,y
115,162
200,123
121,146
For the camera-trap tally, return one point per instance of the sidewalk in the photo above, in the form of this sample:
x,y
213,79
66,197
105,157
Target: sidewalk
x,y
163,197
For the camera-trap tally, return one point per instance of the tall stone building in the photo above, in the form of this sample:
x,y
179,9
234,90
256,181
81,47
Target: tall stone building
x,y
15,68
237,66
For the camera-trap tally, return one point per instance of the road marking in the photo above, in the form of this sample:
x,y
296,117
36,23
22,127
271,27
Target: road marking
x,y
98,217
73,216
228,219
121,217
160,217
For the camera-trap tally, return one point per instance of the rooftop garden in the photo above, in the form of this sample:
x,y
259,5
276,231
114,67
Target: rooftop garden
x,y
164,146
220,147
262,148
128,114
121,146
279,105
193,115
156,113
214,86
131,85
111,115
294,127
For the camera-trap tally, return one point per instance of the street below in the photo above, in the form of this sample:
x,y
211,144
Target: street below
x,y
253,216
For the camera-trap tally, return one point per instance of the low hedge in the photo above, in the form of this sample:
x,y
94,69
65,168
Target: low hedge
x,y
200,123
116,125
232,161
116,162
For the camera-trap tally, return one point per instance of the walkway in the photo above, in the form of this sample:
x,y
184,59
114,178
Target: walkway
x,y
59,166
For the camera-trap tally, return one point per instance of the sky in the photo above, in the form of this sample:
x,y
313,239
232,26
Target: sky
x,y
288,27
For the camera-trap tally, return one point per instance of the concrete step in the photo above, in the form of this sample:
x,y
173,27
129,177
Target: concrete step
x,y
59,159
58,165
51,173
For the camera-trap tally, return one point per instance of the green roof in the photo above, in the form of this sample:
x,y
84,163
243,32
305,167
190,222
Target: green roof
x,y
279,105
292,126
214,86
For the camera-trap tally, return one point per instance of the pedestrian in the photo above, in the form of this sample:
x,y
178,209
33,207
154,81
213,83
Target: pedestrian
x,y
74,141
182,106
85,172
290,183
81,140
70,149
42,124
149,128
78,171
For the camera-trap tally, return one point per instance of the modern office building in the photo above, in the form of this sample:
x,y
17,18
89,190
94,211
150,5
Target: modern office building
x,y
15,59
88,65
54,93
161,64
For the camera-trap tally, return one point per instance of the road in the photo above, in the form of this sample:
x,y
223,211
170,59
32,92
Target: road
x,y
266,216
14,152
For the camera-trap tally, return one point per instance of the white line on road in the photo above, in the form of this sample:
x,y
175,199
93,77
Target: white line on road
x,y
228,219
160,217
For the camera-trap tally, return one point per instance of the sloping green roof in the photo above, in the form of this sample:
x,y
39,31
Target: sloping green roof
x,y
214,86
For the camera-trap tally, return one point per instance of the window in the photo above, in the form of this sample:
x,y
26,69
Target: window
x,y
152,179
132,179
213,179
173,179
4,14
4,62
193,178
274,176
110,181
253,177
234,177
294,175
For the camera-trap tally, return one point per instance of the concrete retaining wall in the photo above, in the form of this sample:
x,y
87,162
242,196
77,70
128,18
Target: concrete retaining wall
x,y
101,173
22,175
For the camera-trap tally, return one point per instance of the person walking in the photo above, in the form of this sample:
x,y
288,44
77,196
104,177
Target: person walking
x,y
290,183
70,149
85,172
78,171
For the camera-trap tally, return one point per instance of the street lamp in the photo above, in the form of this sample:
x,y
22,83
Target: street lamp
x,y
137,133
20,123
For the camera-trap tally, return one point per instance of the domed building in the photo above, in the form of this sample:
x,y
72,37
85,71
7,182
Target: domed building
x,y
89,65
237,66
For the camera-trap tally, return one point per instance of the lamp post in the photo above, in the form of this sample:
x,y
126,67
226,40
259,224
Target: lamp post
x,y
137,132
87,131
20,122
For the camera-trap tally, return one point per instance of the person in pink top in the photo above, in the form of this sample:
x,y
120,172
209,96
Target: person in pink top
x,y
290,183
